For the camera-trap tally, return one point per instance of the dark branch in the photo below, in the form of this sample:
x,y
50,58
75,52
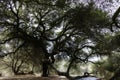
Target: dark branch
x,y
114,21
5,54
61,73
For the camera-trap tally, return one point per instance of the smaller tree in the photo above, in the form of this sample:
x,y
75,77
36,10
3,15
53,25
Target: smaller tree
x,y
112,65
18,62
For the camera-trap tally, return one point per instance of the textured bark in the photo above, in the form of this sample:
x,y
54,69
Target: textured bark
x,y
45,70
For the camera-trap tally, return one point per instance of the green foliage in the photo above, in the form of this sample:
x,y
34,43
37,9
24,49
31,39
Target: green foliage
x,y
112,63
30,28
60,3
88,17
108,67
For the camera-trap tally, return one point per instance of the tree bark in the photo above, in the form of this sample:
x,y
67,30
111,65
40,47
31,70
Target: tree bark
x,y
45,69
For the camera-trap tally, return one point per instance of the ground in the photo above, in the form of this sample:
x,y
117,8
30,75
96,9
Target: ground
x,y
29,77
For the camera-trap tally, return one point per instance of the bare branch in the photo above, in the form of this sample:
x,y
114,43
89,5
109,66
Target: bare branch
x,y
7,40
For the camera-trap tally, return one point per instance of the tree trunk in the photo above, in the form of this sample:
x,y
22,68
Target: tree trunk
x,y
45,69
115,76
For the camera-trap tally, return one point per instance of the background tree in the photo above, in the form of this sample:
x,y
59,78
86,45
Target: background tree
x,y
19,62
112,65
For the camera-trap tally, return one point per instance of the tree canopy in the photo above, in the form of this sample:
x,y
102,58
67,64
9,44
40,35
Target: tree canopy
x,y
46,30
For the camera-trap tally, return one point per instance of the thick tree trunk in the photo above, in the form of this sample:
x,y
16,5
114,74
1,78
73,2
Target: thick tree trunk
x,y
45,69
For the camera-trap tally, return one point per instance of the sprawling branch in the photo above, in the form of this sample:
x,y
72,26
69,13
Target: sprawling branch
x,y
7,40
5,54
62,73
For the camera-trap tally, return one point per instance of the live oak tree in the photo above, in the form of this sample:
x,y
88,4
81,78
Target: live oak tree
x,y
113,59
111,47
48,28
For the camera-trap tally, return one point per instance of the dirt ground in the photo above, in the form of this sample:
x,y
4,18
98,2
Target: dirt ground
x,y
32,78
